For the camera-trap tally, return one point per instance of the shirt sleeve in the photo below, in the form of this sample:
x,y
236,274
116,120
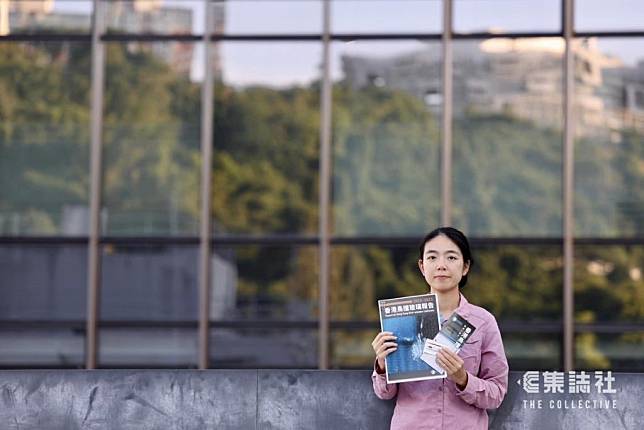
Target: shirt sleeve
x,y
488,388
380,387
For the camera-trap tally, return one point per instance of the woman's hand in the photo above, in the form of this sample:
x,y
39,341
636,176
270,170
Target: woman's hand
x,y
453,365
383,345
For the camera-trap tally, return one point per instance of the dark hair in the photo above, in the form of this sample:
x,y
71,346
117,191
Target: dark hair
x,y
458,238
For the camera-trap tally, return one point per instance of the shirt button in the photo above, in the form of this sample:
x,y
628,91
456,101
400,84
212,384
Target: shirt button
x,y
439,411
440,388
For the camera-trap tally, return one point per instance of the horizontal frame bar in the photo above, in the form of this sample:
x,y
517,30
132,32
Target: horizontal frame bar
x,y
295,240
508,326
346,37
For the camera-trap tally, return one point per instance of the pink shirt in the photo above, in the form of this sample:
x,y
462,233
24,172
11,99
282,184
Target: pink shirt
x,y
438,403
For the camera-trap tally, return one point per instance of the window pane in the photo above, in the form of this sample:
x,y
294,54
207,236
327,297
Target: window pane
x,y
152,140
42,312
45,16
362,275
351,349
518,283
507,136
275,283
58,345
266,142
263,17
148,347
619,352
148,305
386,16
44,138
618,15
387,103
149,283
608,295
264,288
154,16
609,284
609,146
497,16
255,348
533,351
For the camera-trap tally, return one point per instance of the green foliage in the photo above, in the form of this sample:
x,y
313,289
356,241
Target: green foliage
x,y
386,158
507,177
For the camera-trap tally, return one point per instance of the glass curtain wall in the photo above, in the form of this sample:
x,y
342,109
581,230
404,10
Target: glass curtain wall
x,y
239,283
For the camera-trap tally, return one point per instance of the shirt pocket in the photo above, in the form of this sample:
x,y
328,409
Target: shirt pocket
x,y
471,355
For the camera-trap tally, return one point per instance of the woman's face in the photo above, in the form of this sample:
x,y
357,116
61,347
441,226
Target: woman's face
x,y
442,264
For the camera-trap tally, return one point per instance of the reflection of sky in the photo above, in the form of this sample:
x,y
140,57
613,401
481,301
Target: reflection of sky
x,y
281,63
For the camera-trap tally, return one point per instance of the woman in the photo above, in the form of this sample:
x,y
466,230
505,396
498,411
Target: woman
x,y
477,377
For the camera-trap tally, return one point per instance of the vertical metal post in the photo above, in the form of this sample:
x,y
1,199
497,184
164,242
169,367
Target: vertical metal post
x,y
325,191
568,189
446,126
96,126
207,110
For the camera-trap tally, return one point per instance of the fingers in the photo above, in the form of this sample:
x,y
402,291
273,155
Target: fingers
x,y
453,365
381,338
386,348
384,344
449,361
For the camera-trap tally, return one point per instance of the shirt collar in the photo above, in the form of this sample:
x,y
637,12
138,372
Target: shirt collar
x,y
463,308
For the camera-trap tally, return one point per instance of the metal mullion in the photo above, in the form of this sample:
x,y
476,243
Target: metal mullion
x,y
446,126
205,249
324,198
350,37
44,37
514,35
150,37
609,34
568,190
96,125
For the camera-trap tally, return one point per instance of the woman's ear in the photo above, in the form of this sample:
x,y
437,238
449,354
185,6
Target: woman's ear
x,y
466,268
420,266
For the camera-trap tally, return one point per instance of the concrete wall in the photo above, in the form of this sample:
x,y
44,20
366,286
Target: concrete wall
x,y
272,399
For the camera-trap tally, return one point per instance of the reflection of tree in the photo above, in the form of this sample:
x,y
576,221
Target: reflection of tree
x,y
265,181
608,288
44,134
151,172
386,163
507,177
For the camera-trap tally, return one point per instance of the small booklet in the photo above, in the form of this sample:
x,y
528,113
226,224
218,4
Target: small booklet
x,y
452,335
413,320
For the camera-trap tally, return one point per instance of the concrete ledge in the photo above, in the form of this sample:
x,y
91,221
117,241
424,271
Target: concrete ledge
x,y
271,399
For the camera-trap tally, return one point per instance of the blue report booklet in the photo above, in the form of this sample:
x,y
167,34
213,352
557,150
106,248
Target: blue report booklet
x,y
413,320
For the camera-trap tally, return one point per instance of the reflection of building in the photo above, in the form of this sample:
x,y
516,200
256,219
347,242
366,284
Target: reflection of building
x,y
32,14
122,16
520,77
148,17
154,17
125,16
